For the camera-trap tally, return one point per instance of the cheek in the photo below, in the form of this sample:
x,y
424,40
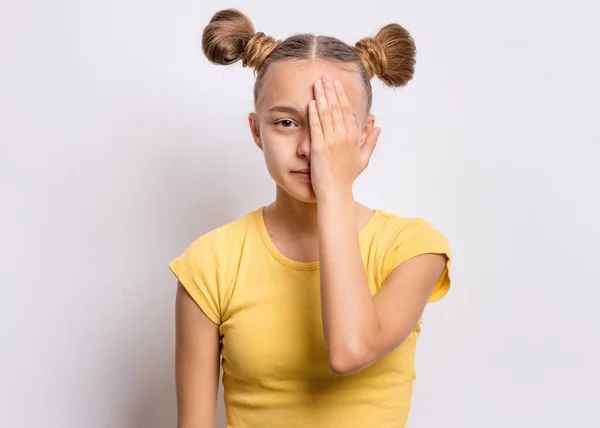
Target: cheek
x,y
277,153
279,146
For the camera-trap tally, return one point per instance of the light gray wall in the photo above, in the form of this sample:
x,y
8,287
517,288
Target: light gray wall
x,y
120,144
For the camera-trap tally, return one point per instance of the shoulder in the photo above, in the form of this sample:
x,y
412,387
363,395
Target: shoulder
x,y
394,229
226,238
402,238
207,268
218,251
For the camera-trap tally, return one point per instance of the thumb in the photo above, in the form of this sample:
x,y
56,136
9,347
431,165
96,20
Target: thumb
x,y
368,146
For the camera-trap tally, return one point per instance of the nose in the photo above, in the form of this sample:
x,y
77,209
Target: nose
x,y
303,149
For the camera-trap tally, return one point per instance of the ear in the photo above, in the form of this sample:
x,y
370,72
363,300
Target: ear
x,y
369,125
255,129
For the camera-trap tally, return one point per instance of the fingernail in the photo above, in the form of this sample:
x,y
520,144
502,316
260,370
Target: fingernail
x,y
337,84
327,78
319,83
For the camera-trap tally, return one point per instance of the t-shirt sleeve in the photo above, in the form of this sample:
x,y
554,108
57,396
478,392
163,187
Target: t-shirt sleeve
x,y
198,270
415,239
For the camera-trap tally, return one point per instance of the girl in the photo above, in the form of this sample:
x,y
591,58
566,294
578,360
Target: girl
x,y
313,302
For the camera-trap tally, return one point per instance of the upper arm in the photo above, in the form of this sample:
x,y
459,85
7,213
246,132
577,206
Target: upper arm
x,y
197,359
402,299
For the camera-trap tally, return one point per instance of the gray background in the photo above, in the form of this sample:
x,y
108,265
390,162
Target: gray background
x,y
120,144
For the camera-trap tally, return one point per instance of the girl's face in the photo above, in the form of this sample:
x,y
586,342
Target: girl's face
x,y
280,125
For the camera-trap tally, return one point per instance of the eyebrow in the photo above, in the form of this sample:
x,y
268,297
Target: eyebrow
x,y
290,109
286,109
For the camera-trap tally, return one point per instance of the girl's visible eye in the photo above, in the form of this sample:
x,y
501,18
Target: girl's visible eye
x,y
286,123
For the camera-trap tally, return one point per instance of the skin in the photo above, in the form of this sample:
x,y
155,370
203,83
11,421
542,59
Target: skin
x,y
314,218
284,137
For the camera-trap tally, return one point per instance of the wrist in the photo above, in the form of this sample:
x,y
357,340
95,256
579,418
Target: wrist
x,y
337,204
336,196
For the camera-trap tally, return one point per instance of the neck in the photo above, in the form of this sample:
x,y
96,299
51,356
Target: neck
x,y
296,216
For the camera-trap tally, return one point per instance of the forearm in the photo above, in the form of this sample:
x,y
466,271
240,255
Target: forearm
x,y
348,310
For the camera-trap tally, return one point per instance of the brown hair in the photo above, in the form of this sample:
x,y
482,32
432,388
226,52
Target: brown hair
x,y
230,36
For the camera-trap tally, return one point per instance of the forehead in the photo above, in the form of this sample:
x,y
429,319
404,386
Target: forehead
x,y
291,82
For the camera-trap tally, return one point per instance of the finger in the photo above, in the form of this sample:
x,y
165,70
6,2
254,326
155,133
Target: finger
x,y
347,112
316,131
323,110
337,117
366,151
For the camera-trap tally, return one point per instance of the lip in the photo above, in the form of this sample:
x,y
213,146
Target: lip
x,y
304,174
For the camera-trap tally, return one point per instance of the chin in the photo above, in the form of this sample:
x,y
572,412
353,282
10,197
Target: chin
x,y
304,193
312,199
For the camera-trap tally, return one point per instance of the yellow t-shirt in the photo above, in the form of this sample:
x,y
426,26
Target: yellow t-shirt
x,y
275,367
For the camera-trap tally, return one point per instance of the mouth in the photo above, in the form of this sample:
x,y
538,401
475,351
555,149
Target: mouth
x,y
304,174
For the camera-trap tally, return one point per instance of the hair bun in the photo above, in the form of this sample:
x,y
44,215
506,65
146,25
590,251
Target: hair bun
x,y
257,50
230,36
390,55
